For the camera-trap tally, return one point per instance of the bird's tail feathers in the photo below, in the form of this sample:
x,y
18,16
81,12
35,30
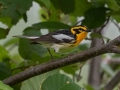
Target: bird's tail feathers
x,y
28,37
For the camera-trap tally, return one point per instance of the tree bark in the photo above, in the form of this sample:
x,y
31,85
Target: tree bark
x,y
113,82
94,70
110,47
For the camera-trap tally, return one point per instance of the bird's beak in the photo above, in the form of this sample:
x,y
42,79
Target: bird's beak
x,y
88,30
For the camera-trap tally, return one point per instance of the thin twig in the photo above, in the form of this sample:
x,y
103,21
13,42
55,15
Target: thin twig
x,y
107,21
12,47
7,31
79,74
115,61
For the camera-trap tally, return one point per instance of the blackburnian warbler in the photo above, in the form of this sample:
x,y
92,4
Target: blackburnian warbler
x,y
60,39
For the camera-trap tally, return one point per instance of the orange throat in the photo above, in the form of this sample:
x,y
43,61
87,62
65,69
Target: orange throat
x,y
80,37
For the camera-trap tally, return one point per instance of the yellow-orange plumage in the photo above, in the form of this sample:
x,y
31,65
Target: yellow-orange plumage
x,y
80,37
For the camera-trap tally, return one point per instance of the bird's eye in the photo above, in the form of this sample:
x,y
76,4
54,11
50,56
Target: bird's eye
x,y
81,30
77,31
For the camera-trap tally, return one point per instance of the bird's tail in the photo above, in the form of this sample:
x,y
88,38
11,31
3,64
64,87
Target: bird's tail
x,y
28,37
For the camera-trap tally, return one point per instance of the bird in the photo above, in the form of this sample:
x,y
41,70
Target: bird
x,y
60,39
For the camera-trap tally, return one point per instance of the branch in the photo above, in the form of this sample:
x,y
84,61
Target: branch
x,y
107,21
115,49
79,74
113,82
94,68
115,61
75,58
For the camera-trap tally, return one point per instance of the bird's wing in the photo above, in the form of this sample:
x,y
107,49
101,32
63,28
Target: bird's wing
x,y
46,39
60,36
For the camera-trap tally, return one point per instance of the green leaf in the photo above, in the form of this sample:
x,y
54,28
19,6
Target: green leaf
x,y
5,72
73,20
83,47
6,21
31,51
98,3
43,15
70,69
116,55
67,6
56,81
4,54
88,87
71,86
51,25
14,9
46,2
25,17
80,7
112,4
116,17
35,83
96,35
17,86
54,16
10,42
118,2
3,33
4,86
94,17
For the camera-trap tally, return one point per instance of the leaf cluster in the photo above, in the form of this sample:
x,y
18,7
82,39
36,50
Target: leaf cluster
x,y
54,15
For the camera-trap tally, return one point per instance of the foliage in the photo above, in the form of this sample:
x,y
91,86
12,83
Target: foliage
x,y
4,87
54,15
43,82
